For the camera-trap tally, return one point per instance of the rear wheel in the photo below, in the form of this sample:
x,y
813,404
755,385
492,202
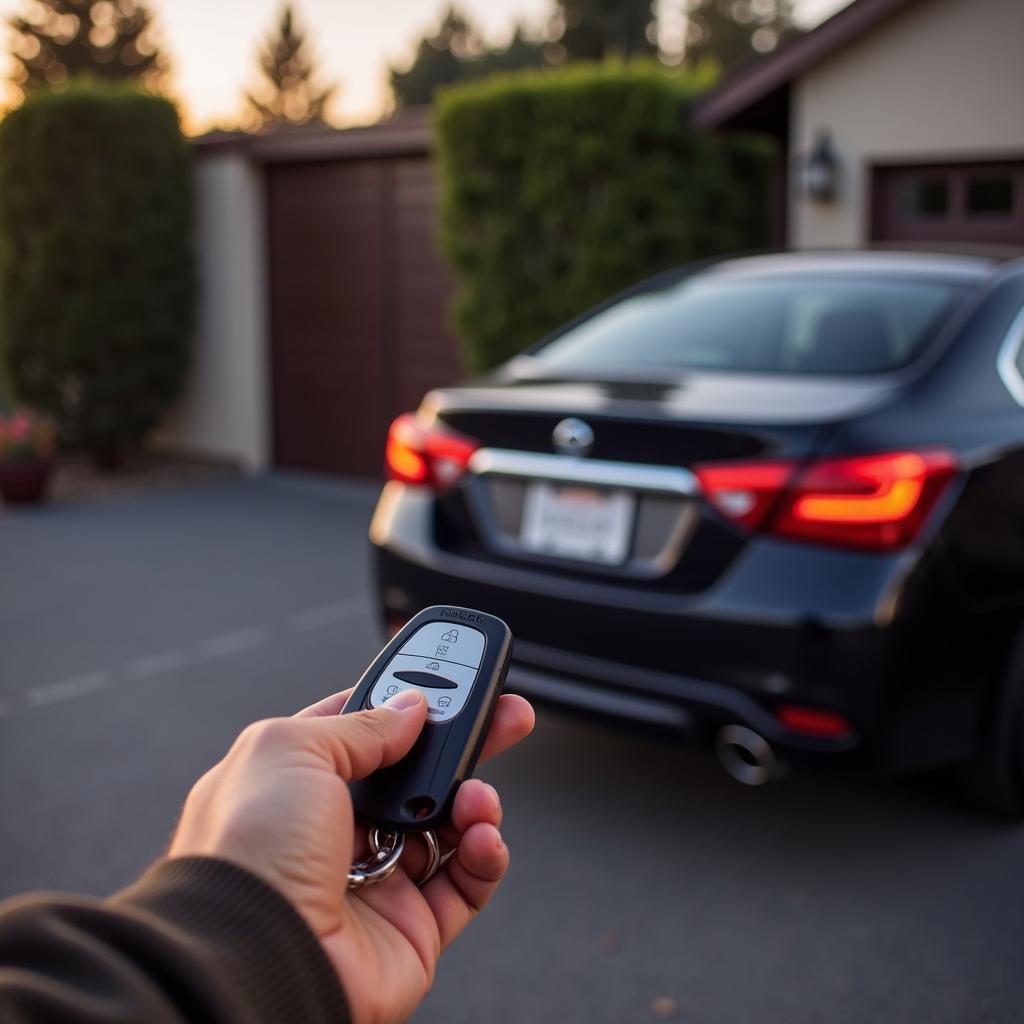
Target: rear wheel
x,y
994,779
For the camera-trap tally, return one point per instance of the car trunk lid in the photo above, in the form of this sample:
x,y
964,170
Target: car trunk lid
x,y
630,509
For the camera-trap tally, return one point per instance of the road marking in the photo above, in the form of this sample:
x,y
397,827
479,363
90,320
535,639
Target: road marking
x,y
233,643
167,662
66,689
326,615
156,664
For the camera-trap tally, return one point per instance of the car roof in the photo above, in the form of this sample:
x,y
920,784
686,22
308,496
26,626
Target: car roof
x,y
963,266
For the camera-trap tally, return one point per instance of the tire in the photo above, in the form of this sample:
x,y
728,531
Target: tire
x,y
994,779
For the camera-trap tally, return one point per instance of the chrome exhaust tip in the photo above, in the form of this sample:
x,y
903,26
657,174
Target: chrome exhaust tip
x,y
747,756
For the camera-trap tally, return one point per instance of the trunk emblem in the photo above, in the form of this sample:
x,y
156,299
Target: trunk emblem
x,y
573,437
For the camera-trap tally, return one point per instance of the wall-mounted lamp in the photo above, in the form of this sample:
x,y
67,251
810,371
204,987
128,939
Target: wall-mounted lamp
x,y
820,177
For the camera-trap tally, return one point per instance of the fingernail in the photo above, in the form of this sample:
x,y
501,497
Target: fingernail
x,y
405,700
494,793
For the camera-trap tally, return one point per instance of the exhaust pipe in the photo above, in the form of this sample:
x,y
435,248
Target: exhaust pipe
x,y
747,756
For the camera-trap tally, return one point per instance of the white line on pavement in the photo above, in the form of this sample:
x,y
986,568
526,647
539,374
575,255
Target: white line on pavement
x,y
326,615
172,660
233,643
50,693
157,664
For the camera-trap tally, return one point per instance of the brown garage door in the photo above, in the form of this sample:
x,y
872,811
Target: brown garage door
x,y
358,297
969,202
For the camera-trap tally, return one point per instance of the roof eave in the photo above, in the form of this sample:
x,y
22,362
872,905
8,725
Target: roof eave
x,y
407,134
755,82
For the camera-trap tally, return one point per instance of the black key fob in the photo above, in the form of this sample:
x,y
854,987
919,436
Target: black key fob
x,y
457,658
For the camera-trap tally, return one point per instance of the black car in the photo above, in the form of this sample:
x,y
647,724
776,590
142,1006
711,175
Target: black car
x,y
773,502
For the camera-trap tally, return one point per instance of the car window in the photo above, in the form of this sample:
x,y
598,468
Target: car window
x,y
798,324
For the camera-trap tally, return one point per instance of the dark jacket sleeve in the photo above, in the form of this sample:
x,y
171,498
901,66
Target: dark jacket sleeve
x,y
194,939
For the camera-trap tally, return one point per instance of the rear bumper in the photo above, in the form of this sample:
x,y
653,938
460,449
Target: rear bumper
x,y
786,624
693,707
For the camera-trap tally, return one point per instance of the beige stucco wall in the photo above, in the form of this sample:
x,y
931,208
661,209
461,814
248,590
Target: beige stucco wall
x,y
941,80
225,410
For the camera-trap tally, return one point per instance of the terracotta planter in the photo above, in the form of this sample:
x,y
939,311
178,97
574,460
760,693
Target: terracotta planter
x,y
25,483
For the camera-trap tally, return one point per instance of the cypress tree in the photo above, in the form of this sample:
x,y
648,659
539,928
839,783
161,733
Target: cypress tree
x,y
288,93
55,40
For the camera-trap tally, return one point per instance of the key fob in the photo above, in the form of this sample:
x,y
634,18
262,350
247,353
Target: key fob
x,y
457,658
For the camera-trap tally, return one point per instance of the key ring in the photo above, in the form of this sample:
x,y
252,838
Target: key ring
x,y
433,851
386,850
382,861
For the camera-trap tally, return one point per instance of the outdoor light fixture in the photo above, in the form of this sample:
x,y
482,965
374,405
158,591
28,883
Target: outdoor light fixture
x,y
821,170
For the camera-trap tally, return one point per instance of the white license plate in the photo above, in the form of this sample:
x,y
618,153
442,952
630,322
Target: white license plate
x,y
577,522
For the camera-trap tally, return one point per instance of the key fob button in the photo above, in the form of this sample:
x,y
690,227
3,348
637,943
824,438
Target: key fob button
x,y
447,641
445,698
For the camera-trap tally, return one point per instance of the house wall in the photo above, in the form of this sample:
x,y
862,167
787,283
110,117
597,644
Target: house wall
x,y
941,80
224,413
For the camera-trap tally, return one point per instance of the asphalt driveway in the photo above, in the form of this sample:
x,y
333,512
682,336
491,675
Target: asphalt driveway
x,y
138,635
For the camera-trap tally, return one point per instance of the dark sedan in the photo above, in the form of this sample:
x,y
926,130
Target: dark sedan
x,y
775,503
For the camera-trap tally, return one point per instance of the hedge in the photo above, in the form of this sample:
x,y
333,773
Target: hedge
x,y
558,189
97,282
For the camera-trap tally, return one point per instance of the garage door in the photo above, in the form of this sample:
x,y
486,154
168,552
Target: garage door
x,y
968,202
358,299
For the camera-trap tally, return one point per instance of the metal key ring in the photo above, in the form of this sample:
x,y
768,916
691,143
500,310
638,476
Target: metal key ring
x,y
381,863
433,850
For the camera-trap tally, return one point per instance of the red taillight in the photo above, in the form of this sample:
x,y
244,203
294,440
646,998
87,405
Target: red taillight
x,y
873,502
744,491
813,722
433,456
869,501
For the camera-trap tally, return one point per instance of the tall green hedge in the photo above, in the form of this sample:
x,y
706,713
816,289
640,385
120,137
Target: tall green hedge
x,y
559,189
97,282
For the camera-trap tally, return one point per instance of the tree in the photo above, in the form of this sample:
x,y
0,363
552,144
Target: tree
x,y
97,268
54,40
289,93
455,52
595,29
730,31
523,51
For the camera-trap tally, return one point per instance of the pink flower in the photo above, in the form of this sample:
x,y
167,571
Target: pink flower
x,y
21,427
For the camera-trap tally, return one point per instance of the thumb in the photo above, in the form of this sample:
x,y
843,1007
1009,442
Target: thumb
x,y
360,743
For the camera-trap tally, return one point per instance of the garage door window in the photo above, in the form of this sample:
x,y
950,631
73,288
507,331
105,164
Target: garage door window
x,y
926,198
990,196
976,203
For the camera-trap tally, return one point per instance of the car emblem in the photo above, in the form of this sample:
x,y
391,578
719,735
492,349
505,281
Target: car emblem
x,y
573,437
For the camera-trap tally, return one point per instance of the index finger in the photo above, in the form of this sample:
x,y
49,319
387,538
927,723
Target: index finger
x,y
513,719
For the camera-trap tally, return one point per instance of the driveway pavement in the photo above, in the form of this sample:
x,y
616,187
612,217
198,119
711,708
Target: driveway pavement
x,y
138,635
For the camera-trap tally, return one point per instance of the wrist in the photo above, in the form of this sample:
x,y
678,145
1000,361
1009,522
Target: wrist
x,y
248,935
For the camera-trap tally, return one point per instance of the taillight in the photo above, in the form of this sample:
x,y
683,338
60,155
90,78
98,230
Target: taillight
x,y
813,722
433,456
744,491
869,501
873,502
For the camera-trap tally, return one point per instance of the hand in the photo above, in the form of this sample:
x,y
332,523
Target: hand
x,y
278,805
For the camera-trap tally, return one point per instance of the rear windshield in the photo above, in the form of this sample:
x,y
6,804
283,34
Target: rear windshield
x,y
805,324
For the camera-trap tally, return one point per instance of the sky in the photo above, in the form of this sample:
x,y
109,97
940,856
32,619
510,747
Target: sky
x,y
213,44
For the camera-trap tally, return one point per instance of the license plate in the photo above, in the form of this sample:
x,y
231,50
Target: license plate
x,y
577,522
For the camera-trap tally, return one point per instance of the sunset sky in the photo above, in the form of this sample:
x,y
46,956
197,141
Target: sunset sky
x,y
213,43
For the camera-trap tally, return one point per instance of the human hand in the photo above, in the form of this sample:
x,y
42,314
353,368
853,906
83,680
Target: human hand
x,y
278,805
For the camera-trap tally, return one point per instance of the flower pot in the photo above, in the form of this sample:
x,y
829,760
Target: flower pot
x,y
25,483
